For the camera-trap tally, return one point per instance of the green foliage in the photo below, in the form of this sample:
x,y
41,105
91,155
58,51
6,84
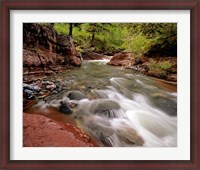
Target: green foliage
x,y
158,69
62,28
138,44
139,38
160,37
164,65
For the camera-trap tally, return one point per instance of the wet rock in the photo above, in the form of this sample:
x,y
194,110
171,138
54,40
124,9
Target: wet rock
x,y
74,61
172,77
55,92
28,94
105,140
30,87
27,103
99,128
168,105
49,72
105,107
130,135
58,86
49,83
43,94
51,87
40,131
65,107
76,95
122,59
92,56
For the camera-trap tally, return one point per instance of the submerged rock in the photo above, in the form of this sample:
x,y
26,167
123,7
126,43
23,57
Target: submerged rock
x,y
76,95
130,136
99,127
167,105
105,107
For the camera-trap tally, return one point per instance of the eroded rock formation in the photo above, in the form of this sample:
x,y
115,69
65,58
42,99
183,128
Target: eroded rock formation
x,y
40,131
42,47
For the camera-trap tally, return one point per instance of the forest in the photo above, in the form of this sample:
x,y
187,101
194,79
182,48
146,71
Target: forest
x,y
139,38
142,39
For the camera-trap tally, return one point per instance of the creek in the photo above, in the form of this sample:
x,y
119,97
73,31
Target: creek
x,y
121,107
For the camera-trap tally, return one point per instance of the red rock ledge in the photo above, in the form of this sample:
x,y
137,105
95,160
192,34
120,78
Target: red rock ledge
x,y
40,131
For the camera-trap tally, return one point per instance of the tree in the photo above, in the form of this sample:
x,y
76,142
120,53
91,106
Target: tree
x,y
95,28
70,29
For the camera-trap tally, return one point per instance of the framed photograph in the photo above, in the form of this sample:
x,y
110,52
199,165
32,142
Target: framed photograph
x,y
100,84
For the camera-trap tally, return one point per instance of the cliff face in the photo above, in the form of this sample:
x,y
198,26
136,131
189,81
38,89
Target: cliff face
x,y
42,47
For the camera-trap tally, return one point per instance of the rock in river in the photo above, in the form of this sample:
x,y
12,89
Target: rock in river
x,y
105,107
75,95
130,135
65,107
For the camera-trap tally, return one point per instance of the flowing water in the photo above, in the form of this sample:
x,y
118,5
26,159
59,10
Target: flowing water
x,y
120,107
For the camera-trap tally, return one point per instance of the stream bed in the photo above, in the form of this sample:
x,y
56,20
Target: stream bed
x,y
116,106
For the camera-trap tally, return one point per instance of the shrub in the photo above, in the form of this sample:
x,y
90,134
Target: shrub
x,y
164,65
158,69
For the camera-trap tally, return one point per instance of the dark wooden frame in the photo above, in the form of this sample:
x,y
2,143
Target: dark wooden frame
x,y
7,6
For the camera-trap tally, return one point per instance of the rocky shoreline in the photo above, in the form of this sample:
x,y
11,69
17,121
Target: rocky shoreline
x,y
142,65
40,131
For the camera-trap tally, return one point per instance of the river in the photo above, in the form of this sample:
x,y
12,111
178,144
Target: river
x,y
121,107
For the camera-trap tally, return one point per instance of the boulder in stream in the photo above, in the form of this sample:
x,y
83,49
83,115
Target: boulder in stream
x,y
75,95
122,59
130,136
106,107
65,107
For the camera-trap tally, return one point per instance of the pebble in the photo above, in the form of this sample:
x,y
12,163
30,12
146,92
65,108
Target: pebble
x,y
30,87
55,92
51,87
49,83
29,92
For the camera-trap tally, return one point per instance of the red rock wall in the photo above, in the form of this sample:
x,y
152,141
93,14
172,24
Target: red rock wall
x,y
40,131
42,46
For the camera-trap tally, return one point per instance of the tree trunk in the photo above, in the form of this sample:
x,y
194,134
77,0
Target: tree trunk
x,y
70,29
92,41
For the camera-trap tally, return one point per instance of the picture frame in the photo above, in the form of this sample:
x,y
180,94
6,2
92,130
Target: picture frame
x,y
7,6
